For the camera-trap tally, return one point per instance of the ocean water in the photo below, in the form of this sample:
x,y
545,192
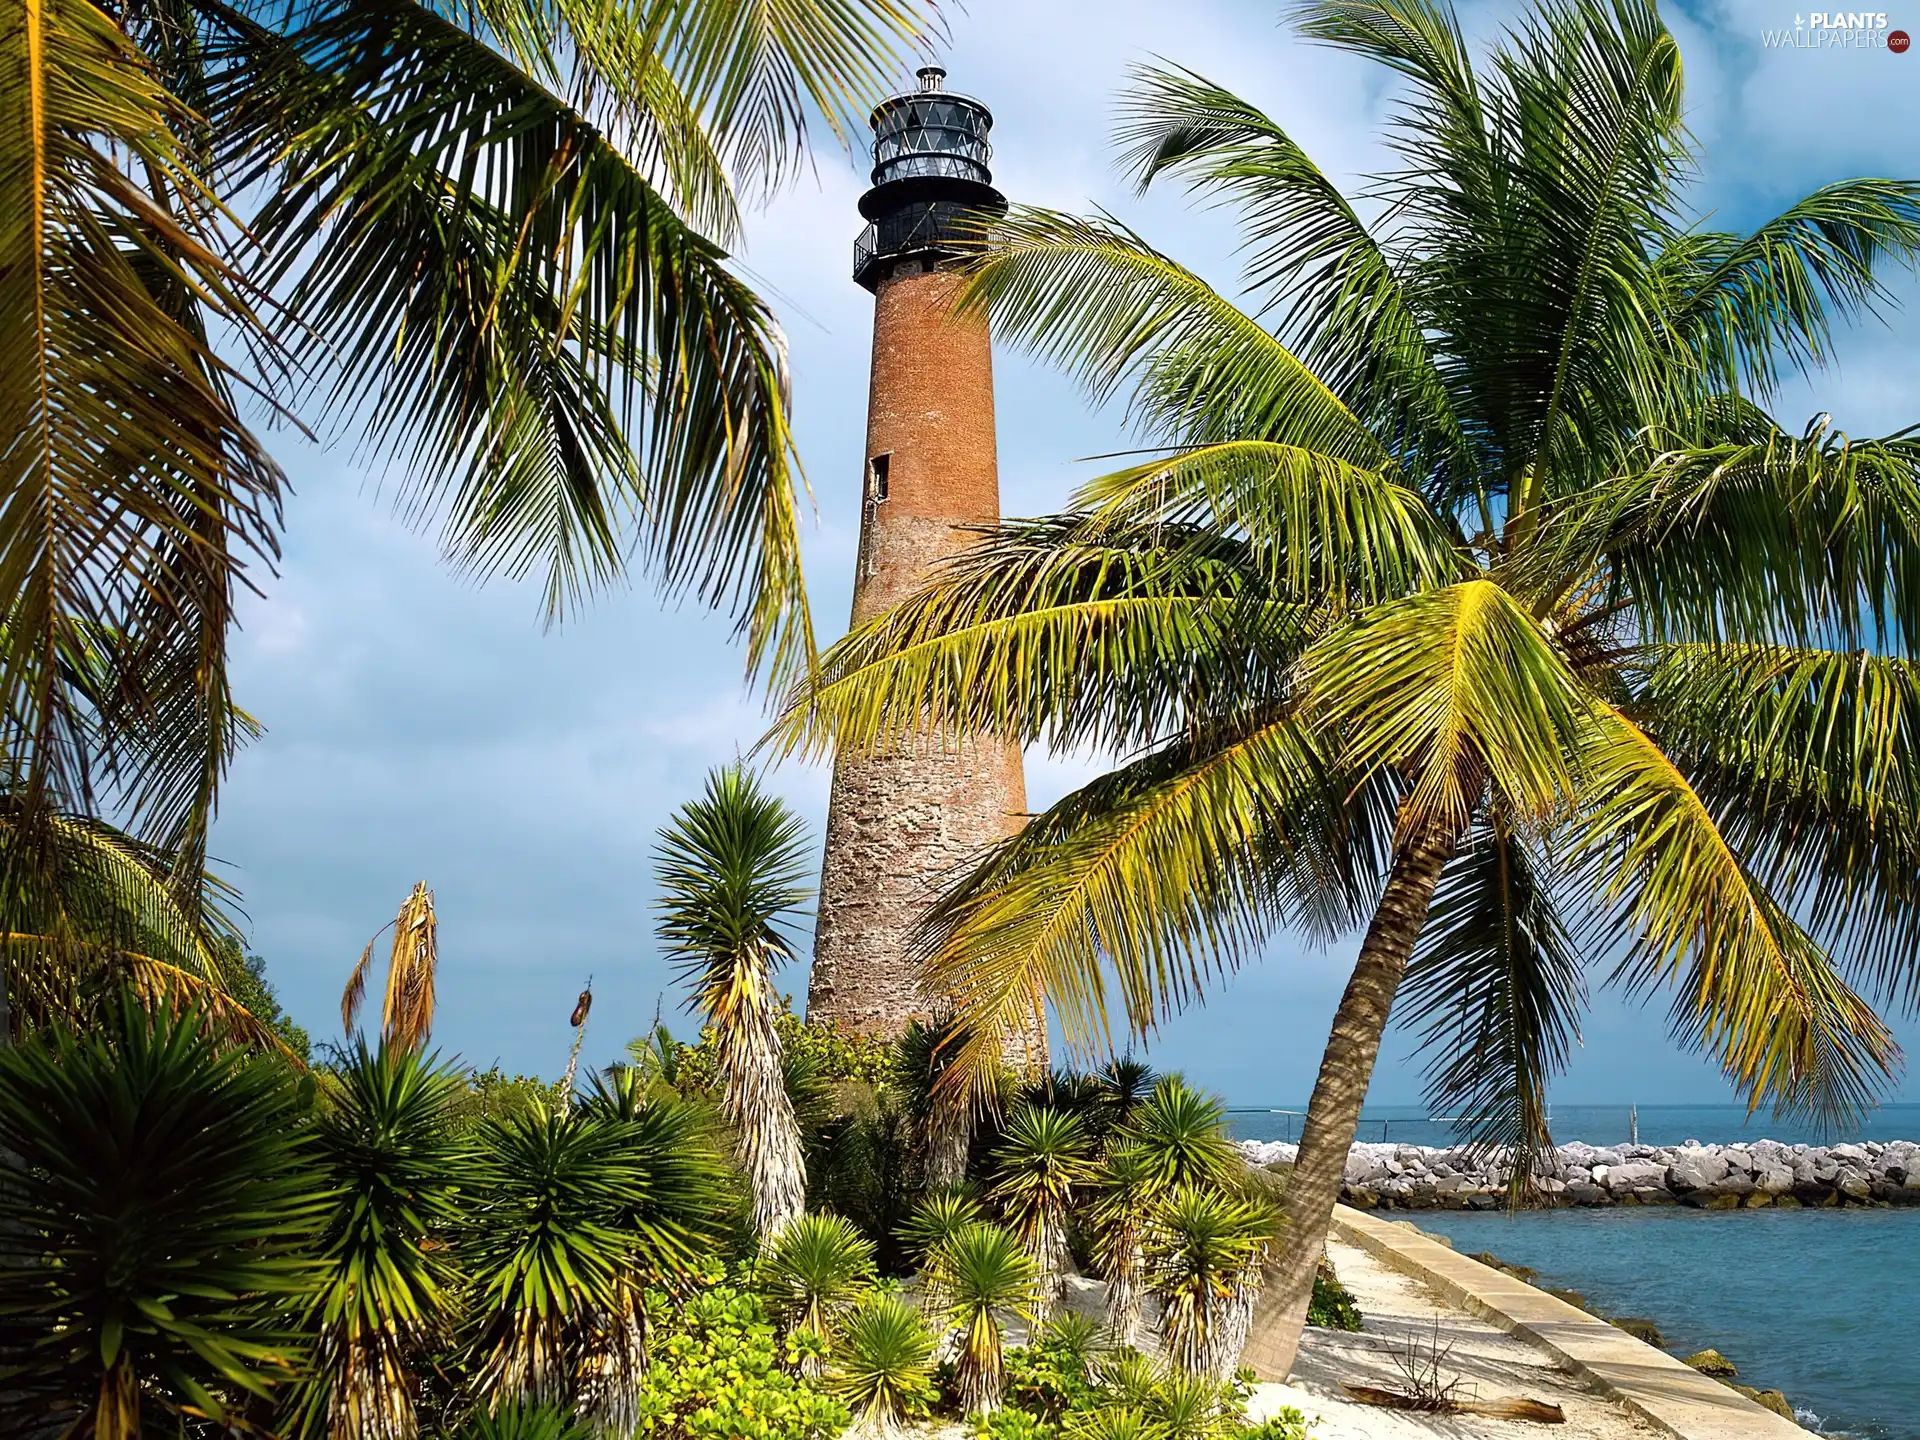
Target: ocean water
x,y
1816,1303
1596,1124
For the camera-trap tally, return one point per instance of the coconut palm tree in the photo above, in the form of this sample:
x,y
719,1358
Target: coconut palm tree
x,y
392,1162
883,1366
1473,601
985,1273
490,239
1203,1248
729,866
89,908
1043,1159
168,1173
819,1267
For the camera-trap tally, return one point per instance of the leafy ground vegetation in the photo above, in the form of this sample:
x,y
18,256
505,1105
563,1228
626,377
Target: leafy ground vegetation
x,y
226,1242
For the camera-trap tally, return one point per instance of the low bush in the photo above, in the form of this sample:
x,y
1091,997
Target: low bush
x,y
720,1372
1333,1306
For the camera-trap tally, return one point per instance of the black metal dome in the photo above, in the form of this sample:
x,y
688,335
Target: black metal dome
x,y
930,178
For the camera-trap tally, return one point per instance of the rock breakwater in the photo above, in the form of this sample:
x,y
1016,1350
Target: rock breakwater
x,y
1718,1177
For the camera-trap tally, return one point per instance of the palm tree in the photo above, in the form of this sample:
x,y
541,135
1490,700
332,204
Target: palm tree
x,y
1044,1157
89,908
729,866
819,1267
1472,577
406,1013
883,1367
392,1164
169,1175
984,1273
1204,1247
492,237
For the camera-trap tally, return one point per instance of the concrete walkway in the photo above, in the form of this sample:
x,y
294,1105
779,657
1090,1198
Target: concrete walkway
x,y
1648,1382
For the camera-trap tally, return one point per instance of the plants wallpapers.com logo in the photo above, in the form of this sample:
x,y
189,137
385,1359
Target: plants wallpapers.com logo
x,y
1839,30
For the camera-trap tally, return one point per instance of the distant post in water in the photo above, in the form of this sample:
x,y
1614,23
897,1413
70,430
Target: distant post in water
x,y
903,823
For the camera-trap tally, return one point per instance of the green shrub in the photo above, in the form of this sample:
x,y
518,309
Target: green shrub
x,y
719,1372
883,1364
1011,1424
1333,1306
1289,1424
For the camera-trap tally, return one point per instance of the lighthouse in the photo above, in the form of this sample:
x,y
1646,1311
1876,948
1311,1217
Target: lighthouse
x,y
905,822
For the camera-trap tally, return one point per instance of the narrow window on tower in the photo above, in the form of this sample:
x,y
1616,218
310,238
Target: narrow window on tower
x,y
877,477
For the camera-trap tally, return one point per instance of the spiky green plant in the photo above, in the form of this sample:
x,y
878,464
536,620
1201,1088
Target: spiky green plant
x,y
985,1274
681,1207
392,1161
161,1204
526,1422
819,1267
730,867
1043,1158
938,1217
1125,1084
1203,1249
1472,576
1181,1137
883,1365
1122,1194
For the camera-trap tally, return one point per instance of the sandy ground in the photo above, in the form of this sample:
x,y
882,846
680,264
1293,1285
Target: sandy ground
x,y
1397,1311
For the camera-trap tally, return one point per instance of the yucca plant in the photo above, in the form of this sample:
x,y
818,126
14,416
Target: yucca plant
x,y
526,1422
985,1274
1125,1084
938,1217
1203,1250
392,1164
944,1116
1181,1137
161,1205
681,1205
730,867
1472,603
549,1251
1044,1157
819,1268
1122,1194
883,1366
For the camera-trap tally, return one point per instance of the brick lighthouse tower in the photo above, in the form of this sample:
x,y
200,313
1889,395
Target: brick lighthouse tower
x,y
901,824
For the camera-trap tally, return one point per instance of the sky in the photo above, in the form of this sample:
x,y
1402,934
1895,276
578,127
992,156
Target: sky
x,y
420,727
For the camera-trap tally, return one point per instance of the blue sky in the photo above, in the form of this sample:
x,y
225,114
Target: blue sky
x,y
419,727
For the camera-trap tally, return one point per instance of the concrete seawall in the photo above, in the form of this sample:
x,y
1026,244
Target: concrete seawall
x,y
1720,1177
1652,1384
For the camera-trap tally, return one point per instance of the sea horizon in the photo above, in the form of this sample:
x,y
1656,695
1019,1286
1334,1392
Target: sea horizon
x,y
1616,1124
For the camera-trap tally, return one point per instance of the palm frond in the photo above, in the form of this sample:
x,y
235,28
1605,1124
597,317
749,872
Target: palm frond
x,y
1093,297
1495,988
1080,631
1164,874
1681,908
133,492
1309,256
535,334
1808,761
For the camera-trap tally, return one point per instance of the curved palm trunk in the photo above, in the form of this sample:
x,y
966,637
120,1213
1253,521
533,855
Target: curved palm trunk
x,y
1341,1087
